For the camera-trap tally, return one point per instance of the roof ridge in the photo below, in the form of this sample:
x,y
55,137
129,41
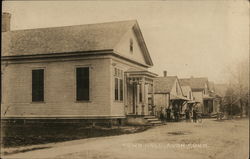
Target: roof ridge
x,y
89,24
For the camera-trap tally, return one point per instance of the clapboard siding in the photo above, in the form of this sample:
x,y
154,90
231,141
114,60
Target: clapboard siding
x,y
118,107
161,100
59,91
123,47
198,95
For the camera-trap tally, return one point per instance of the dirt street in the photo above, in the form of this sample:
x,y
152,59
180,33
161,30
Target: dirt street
x,y
207,140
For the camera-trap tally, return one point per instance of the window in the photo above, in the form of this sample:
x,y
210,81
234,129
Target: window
x,y
82,83
176,86
38,85
116,89
121,89
131,47
140,94
118,84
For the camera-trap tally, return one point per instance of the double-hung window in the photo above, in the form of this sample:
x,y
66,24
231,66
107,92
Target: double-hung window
x,y
118,76
140,93
38,85
82,83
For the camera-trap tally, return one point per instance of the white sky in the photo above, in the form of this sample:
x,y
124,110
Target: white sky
x,y
199,38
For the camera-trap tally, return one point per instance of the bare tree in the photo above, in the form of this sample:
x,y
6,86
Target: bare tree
x,y
237,95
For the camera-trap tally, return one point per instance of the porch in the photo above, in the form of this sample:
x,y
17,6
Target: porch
x,y
208,105
137,86
179,104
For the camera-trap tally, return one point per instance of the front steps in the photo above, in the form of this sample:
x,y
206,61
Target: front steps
x,y
152,120
142,120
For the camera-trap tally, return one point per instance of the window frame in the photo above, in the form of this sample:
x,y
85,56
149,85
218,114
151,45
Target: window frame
x,y
75,85
121,91
140,93
177,89
118,75
131,45
117,89
44,84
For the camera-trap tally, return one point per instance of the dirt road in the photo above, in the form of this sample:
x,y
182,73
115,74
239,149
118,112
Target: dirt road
x,y
207,140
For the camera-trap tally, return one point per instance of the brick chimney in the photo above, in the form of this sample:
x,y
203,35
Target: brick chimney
x,y
164,73
6,21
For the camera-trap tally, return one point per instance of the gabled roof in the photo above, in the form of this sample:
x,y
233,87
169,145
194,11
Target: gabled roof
x,y
185,90
196,84
69,39
185,82
164,84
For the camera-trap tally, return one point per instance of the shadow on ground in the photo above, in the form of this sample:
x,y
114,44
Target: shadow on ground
x,y
179,133
25,150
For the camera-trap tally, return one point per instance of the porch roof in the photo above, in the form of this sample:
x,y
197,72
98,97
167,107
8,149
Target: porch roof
x,y
141,73
174,97
208,98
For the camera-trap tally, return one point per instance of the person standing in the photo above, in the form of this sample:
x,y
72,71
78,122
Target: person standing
x,y
194,115
176,113
187,115
161,114
168,114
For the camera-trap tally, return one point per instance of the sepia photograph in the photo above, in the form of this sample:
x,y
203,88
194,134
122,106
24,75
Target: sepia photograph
x,y
135,79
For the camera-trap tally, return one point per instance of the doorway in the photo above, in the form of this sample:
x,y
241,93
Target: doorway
x,y
131,97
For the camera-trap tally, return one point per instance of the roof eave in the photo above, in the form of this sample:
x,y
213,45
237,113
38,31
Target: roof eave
x,y
71,54
33,56
144,46
197,89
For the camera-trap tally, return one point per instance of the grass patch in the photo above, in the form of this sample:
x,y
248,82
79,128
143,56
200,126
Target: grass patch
x,y
15,135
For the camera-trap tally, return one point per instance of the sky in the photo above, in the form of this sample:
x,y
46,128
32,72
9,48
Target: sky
x,y
185,38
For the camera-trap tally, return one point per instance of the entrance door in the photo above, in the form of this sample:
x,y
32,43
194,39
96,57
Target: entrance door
x,y
131,98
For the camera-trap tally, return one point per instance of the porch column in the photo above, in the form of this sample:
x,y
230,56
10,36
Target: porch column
x,y
214,106
125,95
153,103
143,96
146,99
137,97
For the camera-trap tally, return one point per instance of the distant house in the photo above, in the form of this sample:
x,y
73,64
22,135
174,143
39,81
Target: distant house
x,y
201,93
220,92
187,92
168,93
94,71
217,97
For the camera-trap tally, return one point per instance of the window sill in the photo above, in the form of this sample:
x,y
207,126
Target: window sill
x,y
83,101
41,102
